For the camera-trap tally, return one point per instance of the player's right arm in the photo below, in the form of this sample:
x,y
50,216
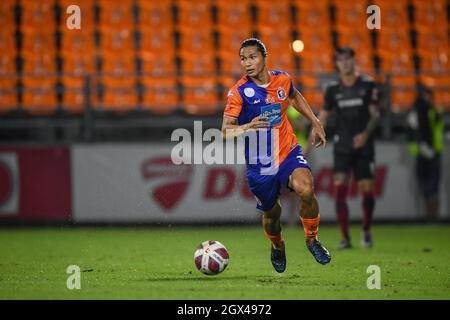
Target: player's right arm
x,y
230,125
231,128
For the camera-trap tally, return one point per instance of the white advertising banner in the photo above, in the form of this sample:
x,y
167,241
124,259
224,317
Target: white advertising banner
x,y
132,183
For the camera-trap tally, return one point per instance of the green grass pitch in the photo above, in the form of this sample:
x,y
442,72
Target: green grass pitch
x,y
157,263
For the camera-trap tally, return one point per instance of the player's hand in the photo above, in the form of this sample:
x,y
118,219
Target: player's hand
x,y
318,136
360,140
257,122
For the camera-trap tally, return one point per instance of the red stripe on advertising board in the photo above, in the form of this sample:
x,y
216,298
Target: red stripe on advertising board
x,y
44,183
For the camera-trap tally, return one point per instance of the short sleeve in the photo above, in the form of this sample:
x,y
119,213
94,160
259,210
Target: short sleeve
x,y
329,101
291,87
234,104
374,93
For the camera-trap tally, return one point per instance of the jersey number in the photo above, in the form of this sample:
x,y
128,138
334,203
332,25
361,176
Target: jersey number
x,y
301,159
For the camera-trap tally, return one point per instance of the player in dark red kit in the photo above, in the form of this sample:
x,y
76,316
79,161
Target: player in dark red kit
x,y
354,100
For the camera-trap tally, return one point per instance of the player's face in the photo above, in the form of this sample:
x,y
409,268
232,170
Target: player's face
x,y
252,61
345,64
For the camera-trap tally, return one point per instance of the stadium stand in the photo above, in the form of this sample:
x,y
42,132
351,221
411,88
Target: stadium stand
x,y
180,57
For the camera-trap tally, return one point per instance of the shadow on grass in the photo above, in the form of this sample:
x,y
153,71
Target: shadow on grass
x,y
261,279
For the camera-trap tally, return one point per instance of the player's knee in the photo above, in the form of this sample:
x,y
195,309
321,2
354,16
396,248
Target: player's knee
x,y
305,189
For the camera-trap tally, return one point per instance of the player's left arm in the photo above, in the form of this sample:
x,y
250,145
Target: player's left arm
x,y
301,105
361,138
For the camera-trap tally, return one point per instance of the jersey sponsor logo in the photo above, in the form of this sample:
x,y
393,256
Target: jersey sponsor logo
x,y
256,101
249,92
281,94
349,103
272,112
270,99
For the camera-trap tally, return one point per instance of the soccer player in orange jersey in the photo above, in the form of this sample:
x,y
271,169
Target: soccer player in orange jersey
x,y
257,104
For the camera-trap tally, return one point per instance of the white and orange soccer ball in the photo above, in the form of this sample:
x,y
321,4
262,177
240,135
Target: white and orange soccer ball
x,y
211,257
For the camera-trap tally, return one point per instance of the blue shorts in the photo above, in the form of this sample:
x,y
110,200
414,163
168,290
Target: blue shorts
x,y
266,188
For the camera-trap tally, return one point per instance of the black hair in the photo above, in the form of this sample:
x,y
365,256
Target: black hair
x,y
254,42
344,50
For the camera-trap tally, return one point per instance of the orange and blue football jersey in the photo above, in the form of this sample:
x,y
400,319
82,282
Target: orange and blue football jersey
x,y
247,100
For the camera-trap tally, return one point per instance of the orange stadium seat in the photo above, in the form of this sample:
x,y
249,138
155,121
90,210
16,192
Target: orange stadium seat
x,y
442,99
117,63
434,61
402,99
230,64
160,94
38,42
440,84
77,42
119,40
195,64
310,89
38,63
78,64
364,62
317,62
38,13
234,14
403,92
396,62
394,14
119,95
431,13
314,97
87,15
8,95
438,38
283,61
196,40
155,14
7,64
312,15
39,95
153,40
393,39
7,14
277,40
195,14
199,95
230,39
73,97
227,82
116,13
351,13
274,13
158,64
358,39
315,40
435,80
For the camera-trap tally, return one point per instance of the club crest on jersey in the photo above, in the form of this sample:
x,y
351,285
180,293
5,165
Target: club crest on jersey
x,y
270,99
249,92
281,94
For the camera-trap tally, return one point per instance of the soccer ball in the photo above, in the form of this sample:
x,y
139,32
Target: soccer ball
x,y
211,257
